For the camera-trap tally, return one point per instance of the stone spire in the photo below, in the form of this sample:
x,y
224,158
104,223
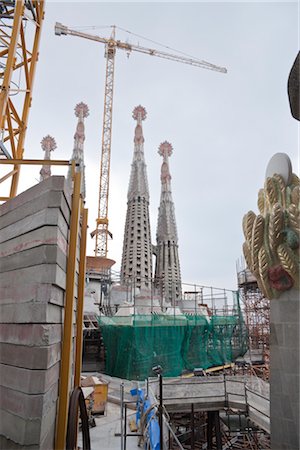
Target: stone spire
x,y
48,145
167,270
81,111
136,266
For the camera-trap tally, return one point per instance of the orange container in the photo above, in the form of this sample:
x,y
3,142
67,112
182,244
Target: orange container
x,y
100,398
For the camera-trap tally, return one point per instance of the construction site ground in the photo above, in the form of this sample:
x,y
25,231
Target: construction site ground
x,y
206,393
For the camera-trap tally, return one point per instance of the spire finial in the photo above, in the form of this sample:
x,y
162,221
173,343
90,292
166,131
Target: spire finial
x,y
48,144
81,110
139,113
165,149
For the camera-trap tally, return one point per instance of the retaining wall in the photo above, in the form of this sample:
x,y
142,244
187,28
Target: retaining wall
x,y
34,229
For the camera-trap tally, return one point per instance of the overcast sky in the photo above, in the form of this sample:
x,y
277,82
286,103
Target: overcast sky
x,y
223,128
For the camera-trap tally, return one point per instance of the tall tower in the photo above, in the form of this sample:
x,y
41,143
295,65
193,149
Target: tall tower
x,y
167,269
48,145
136,264
81,111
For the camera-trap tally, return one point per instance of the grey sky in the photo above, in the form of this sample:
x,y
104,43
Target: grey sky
x,y
223,128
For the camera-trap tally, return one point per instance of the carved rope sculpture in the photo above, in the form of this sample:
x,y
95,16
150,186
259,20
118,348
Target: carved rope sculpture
x,y
271,246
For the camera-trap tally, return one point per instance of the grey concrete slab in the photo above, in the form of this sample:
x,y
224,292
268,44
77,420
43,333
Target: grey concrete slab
x,y
48,199
48,216
27,292
30,312
26,432
55,183
43,273
284,379
29,381
44,254
47,235
30,334
28,406
30,357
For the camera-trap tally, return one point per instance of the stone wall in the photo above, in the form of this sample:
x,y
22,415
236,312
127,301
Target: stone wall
x,y
285,381
34,229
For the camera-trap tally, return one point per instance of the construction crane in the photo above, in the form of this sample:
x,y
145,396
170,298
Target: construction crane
x,y
20,31
101,232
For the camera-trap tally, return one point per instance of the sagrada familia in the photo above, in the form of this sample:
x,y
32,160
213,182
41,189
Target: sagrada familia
x,y
137,246
138,251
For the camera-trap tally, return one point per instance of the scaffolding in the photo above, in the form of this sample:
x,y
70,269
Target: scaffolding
x,y
256,310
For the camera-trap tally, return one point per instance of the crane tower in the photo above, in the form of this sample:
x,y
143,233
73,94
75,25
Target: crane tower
x,y
101,232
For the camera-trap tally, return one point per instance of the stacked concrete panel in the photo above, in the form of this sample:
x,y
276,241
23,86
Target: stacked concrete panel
x,y
34,231
285,363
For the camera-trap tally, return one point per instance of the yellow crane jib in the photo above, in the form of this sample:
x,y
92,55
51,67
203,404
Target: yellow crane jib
x,y
101,233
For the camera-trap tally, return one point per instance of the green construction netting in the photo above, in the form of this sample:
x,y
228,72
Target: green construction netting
x,y
135,344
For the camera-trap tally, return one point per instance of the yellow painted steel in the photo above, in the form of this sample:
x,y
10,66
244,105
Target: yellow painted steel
x,y
14,113
38,162
11,57
80,302
64,384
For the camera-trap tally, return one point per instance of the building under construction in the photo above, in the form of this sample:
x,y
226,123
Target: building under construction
x,y
193,361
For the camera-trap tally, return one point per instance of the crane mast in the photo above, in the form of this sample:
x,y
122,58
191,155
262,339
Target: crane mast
x,y
101,232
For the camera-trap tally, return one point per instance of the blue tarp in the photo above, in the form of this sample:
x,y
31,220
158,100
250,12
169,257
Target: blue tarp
x,y
143,404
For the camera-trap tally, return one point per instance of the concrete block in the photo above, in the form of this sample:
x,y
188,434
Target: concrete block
x,y
287,310
284,381
47,235
30,334
28,406
31,292
47,443
31,312
48,199
29,381
48,216
290,360
276,334
43,273
54,183
291,334
291,385
44,254
30,357
26,432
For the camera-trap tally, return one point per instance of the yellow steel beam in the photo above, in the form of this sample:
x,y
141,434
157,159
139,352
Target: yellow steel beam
x,y
14,111
64,381
28,95
80,302
38,162
11,58
9,174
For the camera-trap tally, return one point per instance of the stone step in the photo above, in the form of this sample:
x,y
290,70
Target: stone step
x,y
27,432
55,183
30,334
26,357
29,381
47,235
27,292
47,216
31,312
49,199
44,254
28,406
